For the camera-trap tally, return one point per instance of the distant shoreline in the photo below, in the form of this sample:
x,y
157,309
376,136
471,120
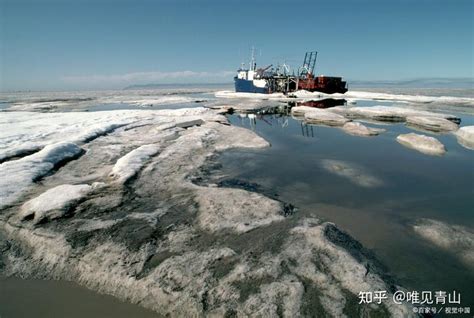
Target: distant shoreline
x,y
148,86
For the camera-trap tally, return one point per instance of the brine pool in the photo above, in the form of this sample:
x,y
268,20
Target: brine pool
x,y
395,188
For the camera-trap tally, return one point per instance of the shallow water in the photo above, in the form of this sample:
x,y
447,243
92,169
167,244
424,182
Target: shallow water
x,y
409,186
46,298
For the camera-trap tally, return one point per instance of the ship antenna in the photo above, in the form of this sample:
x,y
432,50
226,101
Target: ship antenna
x,y
252,61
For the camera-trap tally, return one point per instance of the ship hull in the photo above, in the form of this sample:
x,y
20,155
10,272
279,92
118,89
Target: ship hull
x,y
323,84
246,86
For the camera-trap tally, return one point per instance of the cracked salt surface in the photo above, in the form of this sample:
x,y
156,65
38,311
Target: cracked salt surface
x,y
158,238
124,239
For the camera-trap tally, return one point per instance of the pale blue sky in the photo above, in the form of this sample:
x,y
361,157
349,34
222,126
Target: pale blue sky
x,y
62,44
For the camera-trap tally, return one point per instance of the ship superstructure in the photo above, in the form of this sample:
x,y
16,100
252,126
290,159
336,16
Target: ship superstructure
x,y
251,80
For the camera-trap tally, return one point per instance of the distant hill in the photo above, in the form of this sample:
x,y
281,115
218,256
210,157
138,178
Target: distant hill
x,y
193,85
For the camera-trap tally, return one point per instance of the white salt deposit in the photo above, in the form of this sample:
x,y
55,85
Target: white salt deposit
x,y
432,123
465,136
237,137
299,111
344,272
22,132
235,209
25,131
54,202
88,225
422,143
410,98
161,100
318,116
324,117
388,113
127,166
360,95
18,175
289,291
232,94
358,129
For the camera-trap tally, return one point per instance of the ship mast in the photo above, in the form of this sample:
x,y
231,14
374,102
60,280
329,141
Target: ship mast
x,y
253,64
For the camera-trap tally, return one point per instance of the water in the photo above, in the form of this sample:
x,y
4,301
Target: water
x,y
413,186
46,298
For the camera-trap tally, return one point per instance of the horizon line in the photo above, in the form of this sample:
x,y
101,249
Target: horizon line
x,y
452,80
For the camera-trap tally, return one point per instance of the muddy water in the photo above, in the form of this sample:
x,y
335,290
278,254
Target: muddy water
x,y
411,186
44,298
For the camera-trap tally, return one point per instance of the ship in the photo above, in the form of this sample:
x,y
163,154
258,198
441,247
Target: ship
x,y
269,80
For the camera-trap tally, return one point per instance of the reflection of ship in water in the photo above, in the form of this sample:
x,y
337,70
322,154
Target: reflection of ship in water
x,y
307,130
323,103
285,109
280,115
274,117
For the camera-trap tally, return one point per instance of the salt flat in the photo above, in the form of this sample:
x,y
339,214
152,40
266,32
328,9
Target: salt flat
x,y
112,200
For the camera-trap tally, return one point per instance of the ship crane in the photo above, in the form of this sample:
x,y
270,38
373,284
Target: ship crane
x,y
261,71
308,63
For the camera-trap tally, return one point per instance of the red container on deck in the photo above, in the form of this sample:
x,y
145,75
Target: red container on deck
x,y
324,84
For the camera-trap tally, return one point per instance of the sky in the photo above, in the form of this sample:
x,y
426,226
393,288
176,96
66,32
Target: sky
x,y
107,44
